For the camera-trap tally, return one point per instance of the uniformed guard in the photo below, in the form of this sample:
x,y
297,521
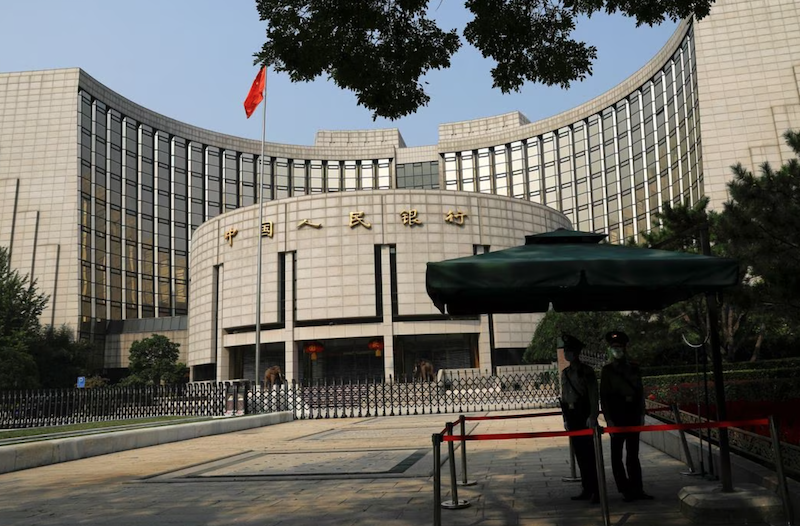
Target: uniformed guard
x,y
580,407
622,397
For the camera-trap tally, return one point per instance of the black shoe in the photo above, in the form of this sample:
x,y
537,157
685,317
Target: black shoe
x,y
641,495
595,499
584,495
628,496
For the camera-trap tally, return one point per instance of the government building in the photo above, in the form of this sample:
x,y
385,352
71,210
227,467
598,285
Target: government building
x,y
134,223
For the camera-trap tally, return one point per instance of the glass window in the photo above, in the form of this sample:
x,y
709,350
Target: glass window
x,y
384,175
367,175
467,172
231,183
249,176
484,171
350,176
334,176
316,181
450,171
299,181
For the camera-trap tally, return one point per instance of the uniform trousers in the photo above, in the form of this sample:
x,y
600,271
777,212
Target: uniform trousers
x,y
629,481
583,447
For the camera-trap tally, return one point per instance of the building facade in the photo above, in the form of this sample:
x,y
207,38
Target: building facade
x,y
103,201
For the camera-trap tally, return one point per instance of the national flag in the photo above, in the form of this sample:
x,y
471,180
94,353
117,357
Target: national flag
x,y
256,94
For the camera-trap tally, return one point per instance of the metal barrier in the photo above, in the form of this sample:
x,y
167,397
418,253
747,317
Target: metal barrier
x,y
597,432
51,407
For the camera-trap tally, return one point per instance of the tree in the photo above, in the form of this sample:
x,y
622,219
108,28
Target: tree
x,y
60,358
380,49
20,307
760,223
154,361
588,327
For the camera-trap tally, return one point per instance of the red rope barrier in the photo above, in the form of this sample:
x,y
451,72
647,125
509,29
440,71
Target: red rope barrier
x,y
505,417
616,429
684,427
509,436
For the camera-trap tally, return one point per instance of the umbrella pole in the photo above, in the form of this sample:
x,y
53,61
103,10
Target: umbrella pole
x,y
719,385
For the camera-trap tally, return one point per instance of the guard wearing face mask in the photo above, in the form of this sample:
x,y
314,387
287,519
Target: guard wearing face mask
x,y
622,397
580,407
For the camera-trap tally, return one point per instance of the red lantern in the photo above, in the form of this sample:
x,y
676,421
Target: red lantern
x,y
313,348
376,345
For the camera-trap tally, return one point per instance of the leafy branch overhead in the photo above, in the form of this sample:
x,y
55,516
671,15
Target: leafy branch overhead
x,y
380,49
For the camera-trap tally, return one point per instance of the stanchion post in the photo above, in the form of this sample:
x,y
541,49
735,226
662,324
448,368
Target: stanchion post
x,y
573,474
601,474
437,479
454,503
776,446
689,462
464,480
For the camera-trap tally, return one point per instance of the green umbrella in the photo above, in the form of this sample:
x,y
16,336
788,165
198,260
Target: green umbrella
x,y
572,271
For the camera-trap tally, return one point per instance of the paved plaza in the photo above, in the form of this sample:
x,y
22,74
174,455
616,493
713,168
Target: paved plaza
x,y
358,471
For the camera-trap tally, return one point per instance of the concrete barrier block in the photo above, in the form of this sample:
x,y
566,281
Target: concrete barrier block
x,y
8,457
94,445
33,455
67,449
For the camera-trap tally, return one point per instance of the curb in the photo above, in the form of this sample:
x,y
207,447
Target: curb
x,y
16,457
743,471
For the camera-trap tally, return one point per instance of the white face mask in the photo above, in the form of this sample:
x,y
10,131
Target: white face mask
x,y
616,353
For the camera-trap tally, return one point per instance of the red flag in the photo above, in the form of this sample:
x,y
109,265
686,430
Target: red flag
x,y
256,94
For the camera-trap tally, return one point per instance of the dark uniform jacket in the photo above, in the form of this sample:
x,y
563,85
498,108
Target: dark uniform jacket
x,y
622,394
579,396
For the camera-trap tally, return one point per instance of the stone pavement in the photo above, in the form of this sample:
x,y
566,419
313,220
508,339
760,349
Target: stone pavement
x,y
359,471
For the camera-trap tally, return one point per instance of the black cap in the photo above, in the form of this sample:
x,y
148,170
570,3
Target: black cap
x,y
617,337
570,343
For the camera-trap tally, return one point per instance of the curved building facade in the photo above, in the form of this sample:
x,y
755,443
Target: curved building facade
x,y
346,269
103,200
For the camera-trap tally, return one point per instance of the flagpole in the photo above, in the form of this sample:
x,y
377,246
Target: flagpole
x,y
260,194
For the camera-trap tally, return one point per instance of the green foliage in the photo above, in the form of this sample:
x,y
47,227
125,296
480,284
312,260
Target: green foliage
x,y
380,49
760,224
96,381
17,366
667,370
60,358
154,361
20,307
588,327
753,385
20,302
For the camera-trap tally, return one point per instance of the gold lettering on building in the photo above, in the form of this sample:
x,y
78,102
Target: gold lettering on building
x,y
267,229
230,234
357,218
456,218
307,222
410,218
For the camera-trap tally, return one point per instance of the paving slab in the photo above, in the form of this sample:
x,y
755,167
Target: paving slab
x,y
358,471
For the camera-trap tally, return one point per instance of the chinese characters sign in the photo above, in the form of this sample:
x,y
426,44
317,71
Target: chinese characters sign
x,y
408,218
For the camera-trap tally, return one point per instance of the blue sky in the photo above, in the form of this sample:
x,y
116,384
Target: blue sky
x,y
192,60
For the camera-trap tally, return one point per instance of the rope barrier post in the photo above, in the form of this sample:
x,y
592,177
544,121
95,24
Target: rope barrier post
x,y
601,474
437,479
573,474
776,446
454,503
464,481
682,434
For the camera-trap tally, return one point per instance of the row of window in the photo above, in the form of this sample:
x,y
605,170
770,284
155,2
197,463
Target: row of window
x,y
610,172
143,191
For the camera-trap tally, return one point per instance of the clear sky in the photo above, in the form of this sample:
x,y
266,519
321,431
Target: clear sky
x,y
192,60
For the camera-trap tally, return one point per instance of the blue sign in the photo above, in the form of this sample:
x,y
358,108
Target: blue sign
x,y
81,382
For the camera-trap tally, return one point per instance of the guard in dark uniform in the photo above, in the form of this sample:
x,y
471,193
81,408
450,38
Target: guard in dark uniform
x,y
580,407
622,397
